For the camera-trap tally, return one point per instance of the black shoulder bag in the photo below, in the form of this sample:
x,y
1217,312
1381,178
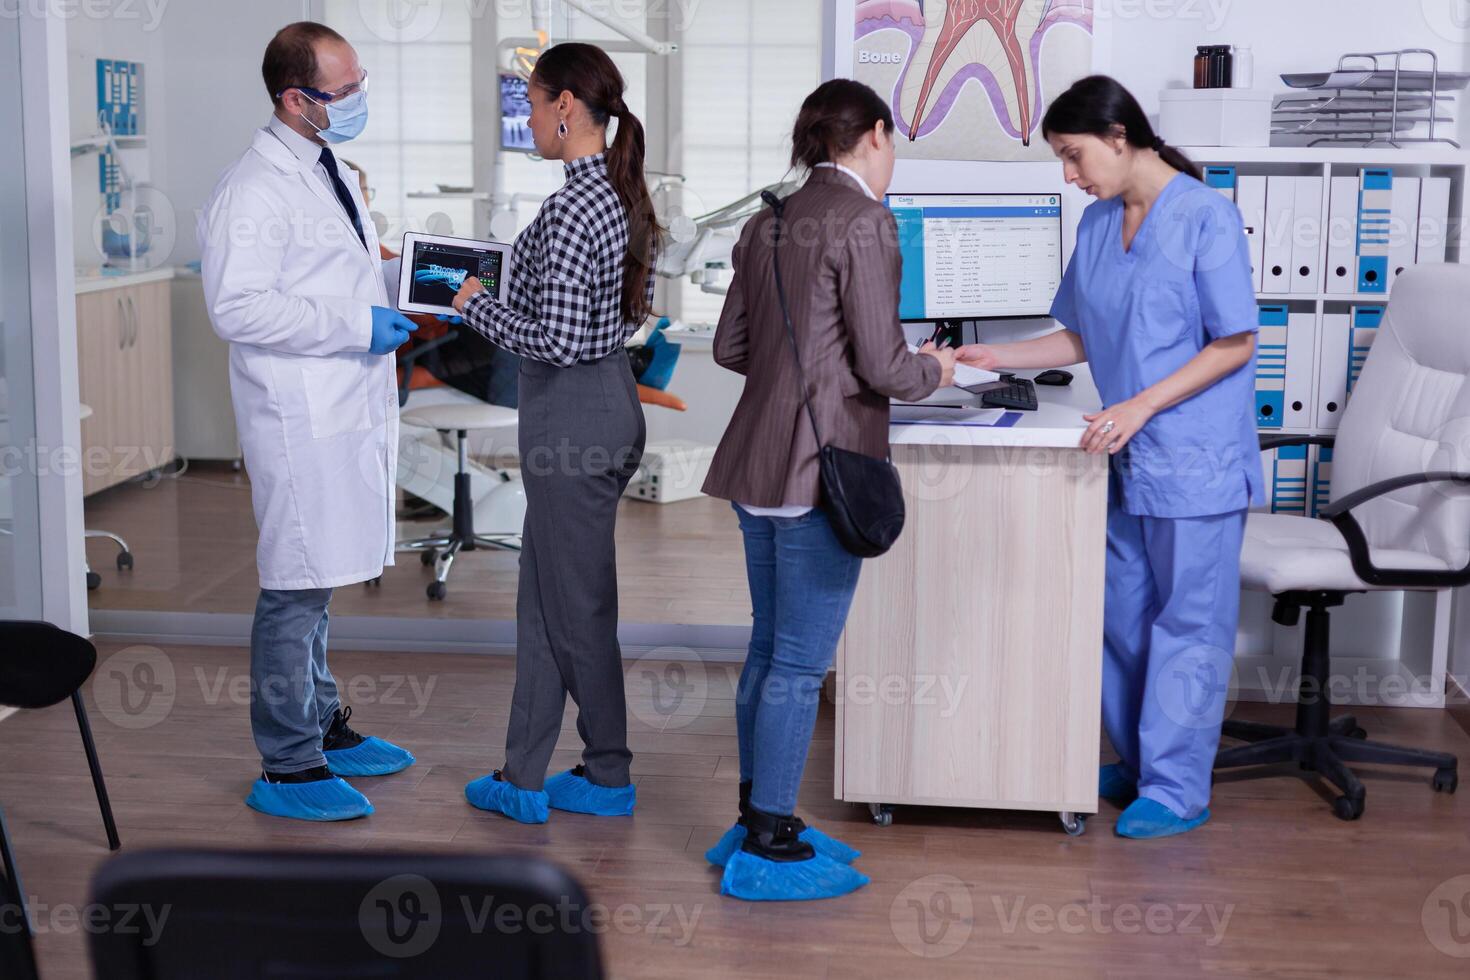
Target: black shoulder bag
x,y
861,496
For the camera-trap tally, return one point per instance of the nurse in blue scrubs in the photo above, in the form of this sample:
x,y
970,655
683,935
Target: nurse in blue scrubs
x,y
1159,299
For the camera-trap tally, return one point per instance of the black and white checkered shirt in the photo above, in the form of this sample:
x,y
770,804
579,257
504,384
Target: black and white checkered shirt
x,y
564,297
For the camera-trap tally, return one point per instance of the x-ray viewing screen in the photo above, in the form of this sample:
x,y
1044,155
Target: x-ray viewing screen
x,y
439,270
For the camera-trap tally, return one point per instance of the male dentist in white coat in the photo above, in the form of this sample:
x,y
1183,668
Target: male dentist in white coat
x,y
293,281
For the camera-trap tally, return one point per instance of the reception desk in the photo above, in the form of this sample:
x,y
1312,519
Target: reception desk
x,y
970,671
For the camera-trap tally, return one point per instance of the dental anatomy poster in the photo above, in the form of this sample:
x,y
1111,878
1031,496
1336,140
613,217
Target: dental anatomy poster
x,y
971,79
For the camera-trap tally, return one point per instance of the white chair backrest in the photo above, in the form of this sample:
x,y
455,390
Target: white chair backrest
x,y
1410,413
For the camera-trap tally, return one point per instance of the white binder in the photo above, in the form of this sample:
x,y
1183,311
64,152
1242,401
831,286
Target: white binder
x,y
1250,197
1287,468
1375,215
1301,364
1341,274
1403,227
1306,237
1362,331
1434,219
1332,373
1276,252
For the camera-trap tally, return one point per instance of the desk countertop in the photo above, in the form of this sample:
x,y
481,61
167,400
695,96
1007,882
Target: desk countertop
x,y
1056,424
93,280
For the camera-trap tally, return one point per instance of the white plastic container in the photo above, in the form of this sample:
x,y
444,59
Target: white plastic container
x,y
1243,74
1215,117
669,471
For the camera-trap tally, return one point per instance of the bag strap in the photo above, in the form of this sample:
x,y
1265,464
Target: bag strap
x,y
779,207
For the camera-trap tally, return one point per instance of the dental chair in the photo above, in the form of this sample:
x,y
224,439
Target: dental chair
x,y
474,495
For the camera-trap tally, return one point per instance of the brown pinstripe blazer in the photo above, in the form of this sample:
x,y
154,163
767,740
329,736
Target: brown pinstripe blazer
x,y
840,265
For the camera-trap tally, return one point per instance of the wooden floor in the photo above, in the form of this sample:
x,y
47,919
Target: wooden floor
x,y
1273,885
193,539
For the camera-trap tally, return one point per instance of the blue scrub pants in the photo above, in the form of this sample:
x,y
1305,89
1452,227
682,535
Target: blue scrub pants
x,y
1172,607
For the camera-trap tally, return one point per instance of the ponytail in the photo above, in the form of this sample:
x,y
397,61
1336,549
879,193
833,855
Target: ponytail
x,y
589,74
1101,106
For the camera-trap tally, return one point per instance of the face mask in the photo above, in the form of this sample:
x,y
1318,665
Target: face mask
x,y
346,118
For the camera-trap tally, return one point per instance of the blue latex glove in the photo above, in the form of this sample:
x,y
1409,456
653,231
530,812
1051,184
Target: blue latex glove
x,y
390,330
453,321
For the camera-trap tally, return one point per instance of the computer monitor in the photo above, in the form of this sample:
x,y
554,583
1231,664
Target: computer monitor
x,y
515,115
978,256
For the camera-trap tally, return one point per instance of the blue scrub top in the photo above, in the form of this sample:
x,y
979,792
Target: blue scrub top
x,y
1142,315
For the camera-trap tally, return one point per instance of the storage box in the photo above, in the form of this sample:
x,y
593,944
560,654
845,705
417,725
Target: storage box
x,y
673,470
1215,117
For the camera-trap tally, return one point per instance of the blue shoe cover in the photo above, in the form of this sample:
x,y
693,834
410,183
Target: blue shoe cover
x,y
373,757
831,847
1146,819
1114,783
499,796
757,879
573,791
325,799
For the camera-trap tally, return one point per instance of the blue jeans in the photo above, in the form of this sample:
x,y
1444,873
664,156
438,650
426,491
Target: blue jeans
x,y
801,586
292,694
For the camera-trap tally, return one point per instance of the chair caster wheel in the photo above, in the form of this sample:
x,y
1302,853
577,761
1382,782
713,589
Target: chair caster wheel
x,y
1446,780
882,813
1075,824
374,581
436,590
1358,732
124,561
93,580
427,558
1347,808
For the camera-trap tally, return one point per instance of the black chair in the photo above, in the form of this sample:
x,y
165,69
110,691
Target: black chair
x,y
17,958
42,665
249,914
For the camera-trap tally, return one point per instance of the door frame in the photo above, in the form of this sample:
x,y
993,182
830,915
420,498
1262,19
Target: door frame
x,y
47,140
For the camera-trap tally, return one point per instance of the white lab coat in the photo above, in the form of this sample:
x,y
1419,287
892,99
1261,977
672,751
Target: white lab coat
x,y
289,285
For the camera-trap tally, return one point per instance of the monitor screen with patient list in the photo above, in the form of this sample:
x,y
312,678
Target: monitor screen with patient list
x,y
973,256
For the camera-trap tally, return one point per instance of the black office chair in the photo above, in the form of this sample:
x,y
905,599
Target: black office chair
x,y
249,914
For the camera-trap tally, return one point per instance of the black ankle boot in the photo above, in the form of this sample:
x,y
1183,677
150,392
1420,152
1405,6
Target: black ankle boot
x,y
745,807
774,837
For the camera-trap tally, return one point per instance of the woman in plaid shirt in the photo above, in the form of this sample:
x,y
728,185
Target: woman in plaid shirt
x,y
580,284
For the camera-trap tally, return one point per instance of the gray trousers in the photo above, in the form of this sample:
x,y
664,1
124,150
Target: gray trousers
x,y
292,693
581,439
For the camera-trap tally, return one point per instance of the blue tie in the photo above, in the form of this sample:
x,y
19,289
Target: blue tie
x,y
330,162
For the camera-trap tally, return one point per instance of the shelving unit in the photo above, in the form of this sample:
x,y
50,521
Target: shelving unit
x,y
1389,648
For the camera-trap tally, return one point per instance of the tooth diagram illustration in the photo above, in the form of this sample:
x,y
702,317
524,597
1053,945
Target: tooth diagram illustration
x,y
994,42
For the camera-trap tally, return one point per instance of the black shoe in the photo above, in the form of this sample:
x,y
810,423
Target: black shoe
x,y
774,837
745,788
339,734
313,775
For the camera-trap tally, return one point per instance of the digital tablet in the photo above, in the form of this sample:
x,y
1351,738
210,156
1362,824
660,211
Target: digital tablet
x,y
434,267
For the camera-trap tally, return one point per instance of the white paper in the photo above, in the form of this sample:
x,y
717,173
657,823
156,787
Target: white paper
x,y
941,415
965,374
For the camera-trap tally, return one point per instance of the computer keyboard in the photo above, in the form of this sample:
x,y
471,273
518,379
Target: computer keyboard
x,y
1017,393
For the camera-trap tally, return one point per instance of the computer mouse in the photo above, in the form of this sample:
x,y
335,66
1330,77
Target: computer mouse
x,y
1055,376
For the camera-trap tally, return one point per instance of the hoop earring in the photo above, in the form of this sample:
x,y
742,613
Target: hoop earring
x,y
561,129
